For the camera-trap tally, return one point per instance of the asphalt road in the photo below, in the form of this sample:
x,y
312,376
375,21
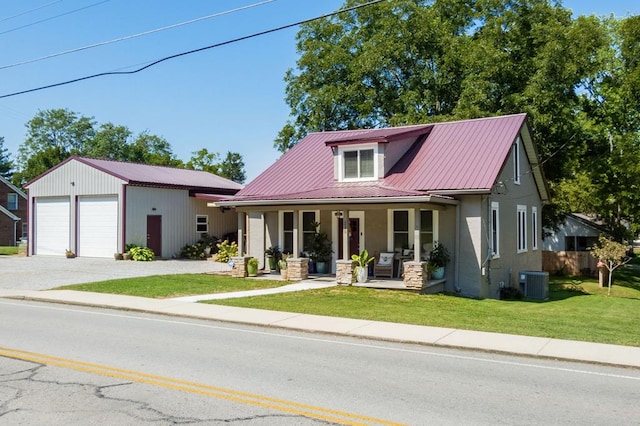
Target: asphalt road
x,y
45,272
89,365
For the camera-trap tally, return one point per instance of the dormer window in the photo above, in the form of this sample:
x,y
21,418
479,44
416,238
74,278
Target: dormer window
x,y
357,163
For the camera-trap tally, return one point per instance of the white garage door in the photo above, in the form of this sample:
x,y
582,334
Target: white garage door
x,y
98,226
52,225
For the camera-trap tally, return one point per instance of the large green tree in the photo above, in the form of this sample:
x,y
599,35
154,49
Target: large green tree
x,y
417,61
56,134
232,167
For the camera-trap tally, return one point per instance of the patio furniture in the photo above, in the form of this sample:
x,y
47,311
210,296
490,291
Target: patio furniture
x,y
383,266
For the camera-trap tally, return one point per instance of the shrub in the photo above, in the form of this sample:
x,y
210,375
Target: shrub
x,y
226,251
510,293
128,247
142,254
193,251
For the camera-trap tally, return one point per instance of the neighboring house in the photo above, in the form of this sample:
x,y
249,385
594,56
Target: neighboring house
x,y
13,214
95,207
578,232
475,186
566,250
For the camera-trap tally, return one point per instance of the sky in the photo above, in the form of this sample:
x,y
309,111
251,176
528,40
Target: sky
x,y
229,98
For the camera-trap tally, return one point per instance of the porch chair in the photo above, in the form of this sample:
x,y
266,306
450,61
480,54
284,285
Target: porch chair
x,y
383,265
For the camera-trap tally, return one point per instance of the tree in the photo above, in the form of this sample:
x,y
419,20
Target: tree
x,y
6,165
232,167
204,160
610,255
55,135
52,136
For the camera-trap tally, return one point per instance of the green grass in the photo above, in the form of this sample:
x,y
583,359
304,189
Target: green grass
x,y
163,286
576,310
8,251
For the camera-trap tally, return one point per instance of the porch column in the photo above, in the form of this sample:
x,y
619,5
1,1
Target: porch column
x,y
417,245
345,235
241,227
296,248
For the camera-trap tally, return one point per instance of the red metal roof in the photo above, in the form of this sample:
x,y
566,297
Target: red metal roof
x,y
144,174
453,156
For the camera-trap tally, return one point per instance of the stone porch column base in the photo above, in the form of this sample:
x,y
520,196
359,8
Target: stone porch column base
x,y
416,276
297,268
239,269
344,271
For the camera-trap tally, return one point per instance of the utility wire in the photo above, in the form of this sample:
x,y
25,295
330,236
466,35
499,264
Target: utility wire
x,y
29,11
54,17
212,46
103,43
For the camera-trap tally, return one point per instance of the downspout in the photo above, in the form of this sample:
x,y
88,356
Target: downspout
x,y
456,282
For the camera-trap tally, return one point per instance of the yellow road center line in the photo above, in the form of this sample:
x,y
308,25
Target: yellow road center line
x,y
199,388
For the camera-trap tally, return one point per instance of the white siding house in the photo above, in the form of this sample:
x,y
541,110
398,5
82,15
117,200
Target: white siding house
x,y
95,207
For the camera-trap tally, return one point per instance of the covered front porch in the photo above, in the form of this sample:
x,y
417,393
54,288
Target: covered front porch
x,y
406,230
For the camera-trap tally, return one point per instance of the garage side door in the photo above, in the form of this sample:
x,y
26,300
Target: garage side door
x,y
98,226
52,226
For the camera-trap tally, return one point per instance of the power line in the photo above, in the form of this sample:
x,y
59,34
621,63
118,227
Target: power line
x,y
212,46
54,17
29,11
103,43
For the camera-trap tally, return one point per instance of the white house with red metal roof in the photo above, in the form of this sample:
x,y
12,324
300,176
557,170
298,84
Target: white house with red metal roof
x,y
474,186
95,207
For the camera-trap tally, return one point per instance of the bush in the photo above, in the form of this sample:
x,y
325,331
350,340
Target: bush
x,y
226,251
142,254
510,293
193,251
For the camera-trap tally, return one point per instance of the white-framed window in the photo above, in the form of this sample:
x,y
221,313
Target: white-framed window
x,y
522,228
309,220
534,228
12,201
358,163
400,229
516,161
287,232
202,223
495,229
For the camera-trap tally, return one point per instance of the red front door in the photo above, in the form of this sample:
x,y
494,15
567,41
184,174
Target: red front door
x,y
154,234
354,237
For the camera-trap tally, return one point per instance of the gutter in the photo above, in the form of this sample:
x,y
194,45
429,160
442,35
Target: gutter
x,y
335,201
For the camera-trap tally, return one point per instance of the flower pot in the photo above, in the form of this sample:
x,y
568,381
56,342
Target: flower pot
x,y
126,256
252,270
117,256
438,273
207,251
272,263
322,267
361,274
284,274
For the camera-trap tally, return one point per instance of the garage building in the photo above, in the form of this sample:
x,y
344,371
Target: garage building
x,y
95,207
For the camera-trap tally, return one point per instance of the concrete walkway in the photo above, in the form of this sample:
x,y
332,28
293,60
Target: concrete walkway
x,y
436,336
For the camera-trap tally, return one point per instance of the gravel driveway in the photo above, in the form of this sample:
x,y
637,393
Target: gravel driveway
x,y
45,272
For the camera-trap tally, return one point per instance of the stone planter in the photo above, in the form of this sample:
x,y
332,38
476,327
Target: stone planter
x,y
284,274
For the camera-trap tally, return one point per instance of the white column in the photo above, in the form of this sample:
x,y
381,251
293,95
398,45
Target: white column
x,y
241,227
346,226
296,243
417,245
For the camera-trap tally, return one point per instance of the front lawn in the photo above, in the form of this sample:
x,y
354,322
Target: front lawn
x,y
163,286
8,250
577,308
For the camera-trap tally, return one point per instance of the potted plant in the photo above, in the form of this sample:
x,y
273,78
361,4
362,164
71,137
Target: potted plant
x,y
252,267
362,261
438,259
69,253
321,250
273,254
282,264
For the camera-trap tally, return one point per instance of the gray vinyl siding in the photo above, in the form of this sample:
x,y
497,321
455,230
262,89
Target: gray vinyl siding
x,y
472,249
504,270
73,180
178,212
